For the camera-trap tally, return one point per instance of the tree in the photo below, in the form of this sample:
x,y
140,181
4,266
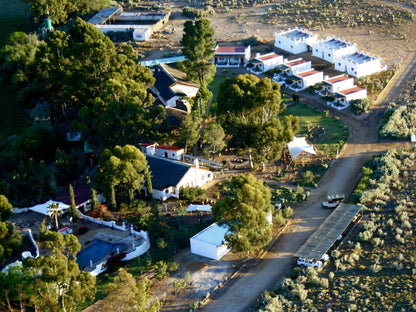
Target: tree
x,y
198,48
123,169
360,106
72,211
244,209
54,212
125,295
214,138
6,209
189,131
248,108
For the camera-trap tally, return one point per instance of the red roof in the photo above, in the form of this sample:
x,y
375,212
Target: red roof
x,y
337,79
81,195
351,90
295,62
230,50
267,56
307,73
146,144
169,147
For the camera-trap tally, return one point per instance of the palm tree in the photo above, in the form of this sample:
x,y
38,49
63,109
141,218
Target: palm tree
x,y
54,212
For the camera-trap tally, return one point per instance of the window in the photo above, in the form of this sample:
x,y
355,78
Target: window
x,y
316,50
329,54
352,68
167,191
279,41
291,46
339,64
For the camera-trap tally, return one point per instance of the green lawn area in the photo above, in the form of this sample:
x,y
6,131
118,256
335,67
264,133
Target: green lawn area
x,y
14,16
335,132
215,86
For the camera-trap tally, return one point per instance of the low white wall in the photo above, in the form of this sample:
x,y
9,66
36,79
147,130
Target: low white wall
x,y
29,233
111,224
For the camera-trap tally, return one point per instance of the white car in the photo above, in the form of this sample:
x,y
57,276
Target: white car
x,y
303,262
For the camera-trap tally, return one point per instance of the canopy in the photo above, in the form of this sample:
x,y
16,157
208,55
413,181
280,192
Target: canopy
x,y
199,208
44,208
299,145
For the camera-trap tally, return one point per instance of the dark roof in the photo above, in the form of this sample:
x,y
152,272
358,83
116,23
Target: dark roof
x,y
166,172
325,236
163,82
81,194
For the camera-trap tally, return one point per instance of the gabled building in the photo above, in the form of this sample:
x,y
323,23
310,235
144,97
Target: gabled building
x,y
344,97
231,56
169,176
333,48
172,86
295,66
337,83
295,40
166,151
359,64
307,78
265,62
81,195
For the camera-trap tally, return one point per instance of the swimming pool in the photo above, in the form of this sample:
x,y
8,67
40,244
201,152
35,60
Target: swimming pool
x,y
97,250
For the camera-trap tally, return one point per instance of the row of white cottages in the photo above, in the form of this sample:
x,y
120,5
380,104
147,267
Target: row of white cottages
x,y
343,54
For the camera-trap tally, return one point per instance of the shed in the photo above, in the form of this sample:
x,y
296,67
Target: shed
x,y
326,235
210,242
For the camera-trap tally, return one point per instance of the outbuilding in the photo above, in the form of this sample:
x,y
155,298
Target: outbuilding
x,y
295,40
210,242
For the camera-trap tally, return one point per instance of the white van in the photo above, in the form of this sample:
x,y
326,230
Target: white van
x,y
303,262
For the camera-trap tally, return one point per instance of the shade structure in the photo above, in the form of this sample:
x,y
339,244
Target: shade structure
x,y
299,145
44,208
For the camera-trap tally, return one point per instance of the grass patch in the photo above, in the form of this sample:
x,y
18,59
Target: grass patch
x,y
214,86
334,133
14,16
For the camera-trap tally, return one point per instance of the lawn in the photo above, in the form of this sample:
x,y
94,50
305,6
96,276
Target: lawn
x,y
329,133
215,86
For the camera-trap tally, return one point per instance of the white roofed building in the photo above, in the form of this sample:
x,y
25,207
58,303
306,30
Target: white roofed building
x,y
330,49
337,83
210,242
355,93
359,64
295,66
295,40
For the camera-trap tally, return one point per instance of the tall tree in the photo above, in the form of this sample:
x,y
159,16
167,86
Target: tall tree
x,y
127,295
198,48
10,239
189,131
214,138
244,209
54,212
6,209
72,211
123,169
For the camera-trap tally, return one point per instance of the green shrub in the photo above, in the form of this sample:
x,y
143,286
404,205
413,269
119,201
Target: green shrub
x,y
360,106
192,194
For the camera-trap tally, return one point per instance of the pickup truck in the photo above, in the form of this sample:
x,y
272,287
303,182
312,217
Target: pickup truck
x,y
326,204
303,262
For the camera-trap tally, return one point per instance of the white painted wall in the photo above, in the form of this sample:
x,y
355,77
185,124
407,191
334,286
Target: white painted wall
x,y
293,45
141,34
311,79
353,96
190,91
341,85
299,68
329,54
358,69
177,155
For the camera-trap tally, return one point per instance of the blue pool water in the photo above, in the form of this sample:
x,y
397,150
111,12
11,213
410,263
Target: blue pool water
x,y
97,250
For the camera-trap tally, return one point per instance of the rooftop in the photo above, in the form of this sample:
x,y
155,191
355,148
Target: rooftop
x,y
336,44
166,172
267,56
228,50
333,226
295,62
81,195
351,90
359,57
102,16
214,234
307,73
169,147
297,34
337,79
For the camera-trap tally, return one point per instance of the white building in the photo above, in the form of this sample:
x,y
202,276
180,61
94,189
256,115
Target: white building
x,y
160,150
359,64
330,49
172,86
210,242
295,40
345,96
337,83
231,56
169,176
265,62
298,65
308,78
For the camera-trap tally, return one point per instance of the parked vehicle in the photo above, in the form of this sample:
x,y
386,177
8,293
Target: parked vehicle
x,y
337,198
327,204
303,262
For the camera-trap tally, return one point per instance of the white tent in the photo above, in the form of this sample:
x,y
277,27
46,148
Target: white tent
x,y
210,242
44,208
299,145
206,208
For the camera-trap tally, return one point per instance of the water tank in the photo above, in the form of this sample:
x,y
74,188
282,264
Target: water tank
x,y
48,23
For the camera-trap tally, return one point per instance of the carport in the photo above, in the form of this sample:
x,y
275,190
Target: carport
x,y
326,235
